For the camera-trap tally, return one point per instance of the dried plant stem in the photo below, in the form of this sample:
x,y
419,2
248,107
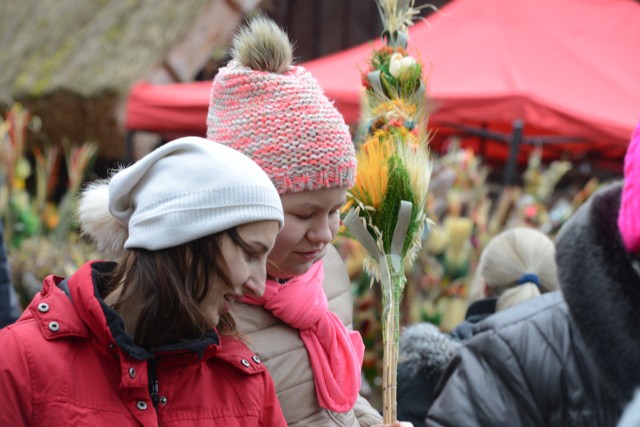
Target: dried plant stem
x,y
392,282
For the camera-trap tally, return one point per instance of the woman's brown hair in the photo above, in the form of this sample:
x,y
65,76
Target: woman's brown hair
x,y
162,290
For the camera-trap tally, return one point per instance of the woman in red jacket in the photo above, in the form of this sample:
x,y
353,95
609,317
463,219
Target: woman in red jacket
x,y
136,343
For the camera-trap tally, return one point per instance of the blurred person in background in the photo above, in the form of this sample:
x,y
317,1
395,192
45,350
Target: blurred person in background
x,y
516,265
567,358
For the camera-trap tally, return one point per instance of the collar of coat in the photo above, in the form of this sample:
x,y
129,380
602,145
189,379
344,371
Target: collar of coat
x,y
86,311
601,285
78,312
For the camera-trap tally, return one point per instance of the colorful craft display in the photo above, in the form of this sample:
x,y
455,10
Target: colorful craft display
x,y
38,220
386,208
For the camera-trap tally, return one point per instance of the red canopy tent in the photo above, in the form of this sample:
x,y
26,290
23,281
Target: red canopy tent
x,y
179,109
565,68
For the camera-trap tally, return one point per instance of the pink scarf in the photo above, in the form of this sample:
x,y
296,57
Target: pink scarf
x,y
335,352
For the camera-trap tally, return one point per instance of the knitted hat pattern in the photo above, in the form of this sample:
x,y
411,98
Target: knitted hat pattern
x,y
277,114
184,190
629,216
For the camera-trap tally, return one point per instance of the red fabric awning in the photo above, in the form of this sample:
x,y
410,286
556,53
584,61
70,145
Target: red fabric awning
x,y
172,109
564,67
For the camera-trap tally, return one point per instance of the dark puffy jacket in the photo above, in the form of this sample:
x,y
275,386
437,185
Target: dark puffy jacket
x,y
476,313
547,362
525,366
424,353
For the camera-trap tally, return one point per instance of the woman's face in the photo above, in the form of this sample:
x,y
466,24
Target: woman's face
x,y
247,268
311,221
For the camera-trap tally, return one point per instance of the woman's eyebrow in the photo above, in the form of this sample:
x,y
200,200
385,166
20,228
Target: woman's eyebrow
x,y
261,246
318,206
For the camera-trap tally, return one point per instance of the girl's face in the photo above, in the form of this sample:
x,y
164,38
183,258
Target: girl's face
x,y
311,221
247,268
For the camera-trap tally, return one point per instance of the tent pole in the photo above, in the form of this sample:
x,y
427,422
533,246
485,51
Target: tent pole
x,y
516,140
483,140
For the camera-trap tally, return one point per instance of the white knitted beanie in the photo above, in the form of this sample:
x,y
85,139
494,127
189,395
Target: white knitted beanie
x,y
186,189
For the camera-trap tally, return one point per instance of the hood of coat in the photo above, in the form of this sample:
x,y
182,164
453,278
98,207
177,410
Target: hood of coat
x,y
601,284
425,349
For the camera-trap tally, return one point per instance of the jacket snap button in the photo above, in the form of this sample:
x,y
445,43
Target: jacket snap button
x,y
132,372
245,362
54,326
141,405
43,307
163,400
256,359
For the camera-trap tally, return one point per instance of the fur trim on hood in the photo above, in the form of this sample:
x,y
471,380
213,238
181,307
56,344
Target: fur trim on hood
x,y
423,346
601,285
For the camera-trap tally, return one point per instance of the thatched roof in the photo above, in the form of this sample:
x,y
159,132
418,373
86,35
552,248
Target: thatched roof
x,y
72,62
86,47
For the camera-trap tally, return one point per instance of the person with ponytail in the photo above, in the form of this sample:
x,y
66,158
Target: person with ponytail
x,y
569,357
516,265
148,341
276,113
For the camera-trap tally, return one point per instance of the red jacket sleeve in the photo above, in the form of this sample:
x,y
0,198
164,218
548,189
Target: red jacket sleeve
x,y
272,413
15,381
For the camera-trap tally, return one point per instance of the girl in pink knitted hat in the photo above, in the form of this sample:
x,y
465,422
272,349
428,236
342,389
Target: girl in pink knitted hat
x,y
276,113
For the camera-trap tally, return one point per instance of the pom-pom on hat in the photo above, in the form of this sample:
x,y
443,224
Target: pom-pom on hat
x,y
275,113
629,216
184,190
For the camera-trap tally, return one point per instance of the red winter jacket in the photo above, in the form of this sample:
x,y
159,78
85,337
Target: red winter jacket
x,y
68,362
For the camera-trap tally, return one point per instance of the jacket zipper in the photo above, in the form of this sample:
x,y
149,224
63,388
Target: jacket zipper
x,y
154,387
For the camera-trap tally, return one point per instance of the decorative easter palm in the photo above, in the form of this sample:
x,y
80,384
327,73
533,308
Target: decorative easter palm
x,y
385,209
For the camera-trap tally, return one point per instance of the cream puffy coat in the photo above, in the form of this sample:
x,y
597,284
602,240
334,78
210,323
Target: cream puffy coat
x,y
283,352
